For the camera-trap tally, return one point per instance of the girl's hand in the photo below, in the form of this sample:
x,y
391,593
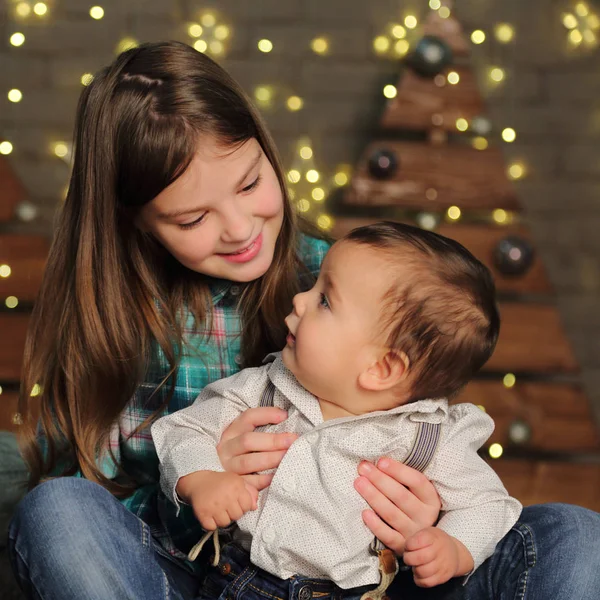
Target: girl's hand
x,y
245,451
403,500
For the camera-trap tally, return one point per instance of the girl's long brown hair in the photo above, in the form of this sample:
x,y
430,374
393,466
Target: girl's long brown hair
x,y
110,291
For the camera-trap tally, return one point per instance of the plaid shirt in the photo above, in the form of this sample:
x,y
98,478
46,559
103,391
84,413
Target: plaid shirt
x,y
217,357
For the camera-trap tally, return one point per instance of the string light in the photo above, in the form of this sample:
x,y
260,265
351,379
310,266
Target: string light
x,y
318,194
496,450
294,103
11,302
462,124
505,33
453,77
516,171
444,12
324,222
61,149
497,74
264,95
5,271
208,19
265,46
303,205
399,32
221,32
15,95
410,21
390,91
509,135
453,213
22,9
17,39
6,148
320,45
480,143
96,12
401,47
36,390
509,380
294,176
195,30
500,215
381,44
305,152
216,47
126,43
200,46
86,79
478,36
40,9
312,176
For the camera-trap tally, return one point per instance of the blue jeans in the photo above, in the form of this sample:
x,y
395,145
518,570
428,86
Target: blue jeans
x,y
71,540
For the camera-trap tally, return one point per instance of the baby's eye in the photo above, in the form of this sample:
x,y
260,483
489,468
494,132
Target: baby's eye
x,y
323,301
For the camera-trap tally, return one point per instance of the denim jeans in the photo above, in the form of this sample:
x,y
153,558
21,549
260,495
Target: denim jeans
x,y
71,540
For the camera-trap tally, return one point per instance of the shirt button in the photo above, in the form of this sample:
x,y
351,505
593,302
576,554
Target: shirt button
x,y
234,290
289,485
268,535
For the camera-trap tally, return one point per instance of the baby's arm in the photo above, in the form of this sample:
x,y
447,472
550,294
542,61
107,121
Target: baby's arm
x,y
476,509
186,444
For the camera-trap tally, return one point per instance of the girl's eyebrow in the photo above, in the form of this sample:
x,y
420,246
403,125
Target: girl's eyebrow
x,y
166,216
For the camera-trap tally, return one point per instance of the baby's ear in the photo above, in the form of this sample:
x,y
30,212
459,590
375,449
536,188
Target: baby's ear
x,y
388,370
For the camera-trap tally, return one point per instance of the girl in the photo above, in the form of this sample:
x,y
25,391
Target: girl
x,y
175,261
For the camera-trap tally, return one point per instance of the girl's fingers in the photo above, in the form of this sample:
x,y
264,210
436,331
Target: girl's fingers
x,y
383,532
418,484
255,462
259,482
252,418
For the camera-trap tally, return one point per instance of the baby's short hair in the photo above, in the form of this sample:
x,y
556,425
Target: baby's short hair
x,y
444,318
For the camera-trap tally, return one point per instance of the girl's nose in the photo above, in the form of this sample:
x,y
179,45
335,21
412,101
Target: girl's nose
x,y
237,226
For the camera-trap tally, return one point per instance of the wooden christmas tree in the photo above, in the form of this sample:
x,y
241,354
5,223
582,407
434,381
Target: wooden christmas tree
x,y
22,262
431,164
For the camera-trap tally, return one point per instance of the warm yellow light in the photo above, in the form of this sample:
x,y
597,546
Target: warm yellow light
x,y
504,32
575,37
499,215
36,390
6,148
61,149
478,36
497,74
312,175
318,194
200,46
221,32
306,152
462,124
589,37
127,43
0,390
569,21
581,8
399,32
509,135
516,171
435,4
11,302
320,45
295,103
294,176
481,407
86,79
340,179
593,22
23,9
208,20
17,39
195,30
410,21
381,44
5,271
40,9
265,45
216,47
480,143
303,205
401,47
263,94
496,450
454,213
444,12
15,95
96,12
390,91
453,77
325,222
509,380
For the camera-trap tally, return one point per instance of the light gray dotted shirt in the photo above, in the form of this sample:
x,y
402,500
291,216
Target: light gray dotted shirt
x,y
308,521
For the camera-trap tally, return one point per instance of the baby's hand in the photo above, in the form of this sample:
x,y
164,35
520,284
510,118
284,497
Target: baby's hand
x,y
218,499
436,557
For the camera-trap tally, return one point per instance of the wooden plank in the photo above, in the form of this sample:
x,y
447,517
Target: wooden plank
x,y
11,191
14,330
532,339
481,240
558,414
436,177
536,482
26,256
423,104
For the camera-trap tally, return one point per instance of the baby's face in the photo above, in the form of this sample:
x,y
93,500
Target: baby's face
x,y
335,327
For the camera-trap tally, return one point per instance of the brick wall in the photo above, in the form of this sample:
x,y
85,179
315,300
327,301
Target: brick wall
x,y
550,97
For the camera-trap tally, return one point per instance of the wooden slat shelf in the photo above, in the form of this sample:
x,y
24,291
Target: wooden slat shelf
x,y
459,174
481,240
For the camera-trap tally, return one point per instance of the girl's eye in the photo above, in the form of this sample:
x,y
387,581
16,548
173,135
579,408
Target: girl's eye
x,y
253,185
193,223
323,302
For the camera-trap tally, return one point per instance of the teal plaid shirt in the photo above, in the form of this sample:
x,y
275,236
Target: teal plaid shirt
x,y
218,357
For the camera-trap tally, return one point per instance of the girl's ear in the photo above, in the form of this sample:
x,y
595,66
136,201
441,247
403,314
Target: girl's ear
x,y
387,371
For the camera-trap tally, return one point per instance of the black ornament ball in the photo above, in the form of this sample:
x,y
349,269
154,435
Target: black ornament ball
x,y
513,256
431,56
383,164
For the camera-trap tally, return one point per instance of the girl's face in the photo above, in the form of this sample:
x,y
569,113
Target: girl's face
x,y
222,217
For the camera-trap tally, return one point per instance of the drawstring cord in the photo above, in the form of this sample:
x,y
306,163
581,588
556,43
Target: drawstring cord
x,y
193,554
